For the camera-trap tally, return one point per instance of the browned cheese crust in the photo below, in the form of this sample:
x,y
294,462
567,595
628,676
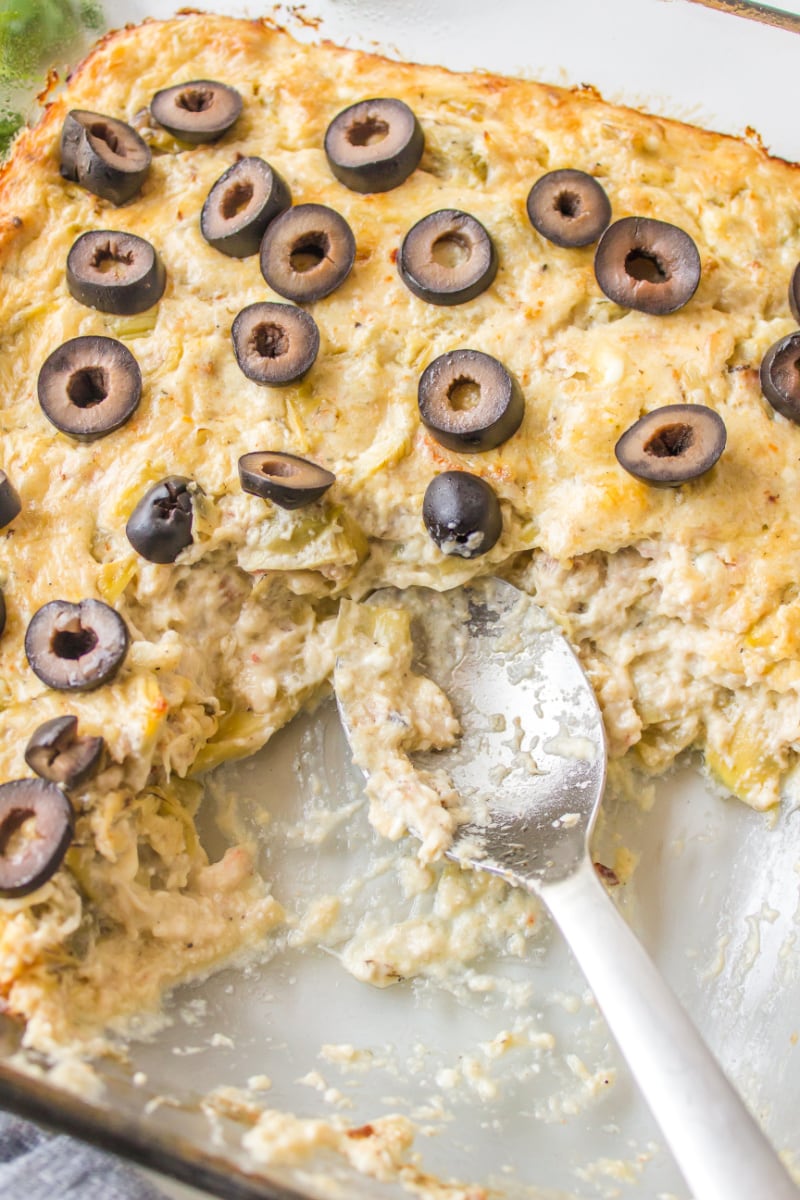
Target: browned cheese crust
x,y
683,603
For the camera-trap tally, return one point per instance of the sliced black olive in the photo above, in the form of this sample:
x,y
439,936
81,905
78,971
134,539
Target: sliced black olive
x,y
104,155
57,752
469,401
447,258
76,647
462,514
274,343
115,272
161,524
10,503
36,825
89,387
672,444
307,252
374,145
647,265
780,376
569,208
285,479
241,205
794,293
199,111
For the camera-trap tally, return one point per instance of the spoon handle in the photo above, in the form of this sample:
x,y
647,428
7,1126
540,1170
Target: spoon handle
x,y
716,1143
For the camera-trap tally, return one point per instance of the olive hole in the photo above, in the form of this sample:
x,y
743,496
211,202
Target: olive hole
x,y
107,257
88,386
451,251
644,265
13,833
308,252
464,394
367,133
236,198
104,133
670,441
73,643
195,100
274,469
166,506
568,204
269,341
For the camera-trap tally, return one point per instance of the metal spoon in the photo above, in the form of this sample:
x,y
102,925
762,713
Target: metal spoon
x,y
530,765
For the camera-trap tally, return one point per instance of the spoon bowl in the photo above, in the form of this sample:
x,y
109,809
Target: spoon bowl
x,y
529,770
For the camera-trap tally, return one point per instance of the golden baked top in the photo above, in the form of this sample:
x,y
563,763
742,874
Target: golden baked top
x,y
682,602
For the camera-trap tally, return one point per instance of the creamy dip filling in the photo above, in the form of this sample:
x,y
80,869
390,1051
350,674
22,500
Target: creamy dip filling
x,y
682,603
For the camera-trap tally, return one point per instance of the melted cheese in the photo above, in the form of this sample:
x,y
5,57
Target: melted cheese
x,y
682,603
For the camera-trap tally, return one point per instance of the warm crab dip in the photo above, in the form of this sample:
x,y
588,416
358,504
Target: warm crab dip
x,y
187,510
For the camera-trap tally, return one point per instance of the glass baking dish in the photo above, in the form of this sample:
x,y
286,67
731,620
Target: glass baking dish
x,y
715,898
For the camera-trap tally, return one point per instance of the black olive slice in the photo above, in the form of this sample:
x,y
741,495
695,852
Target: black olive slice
x,y
780,376
76,647
161,524
36,825
10,503
569,208
274,344
104,155
241,205
462,514
199,111
794,293
469,401
56,752
89,387
447,258
672,444
285,479
307,252
374,145
115,272
647,265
